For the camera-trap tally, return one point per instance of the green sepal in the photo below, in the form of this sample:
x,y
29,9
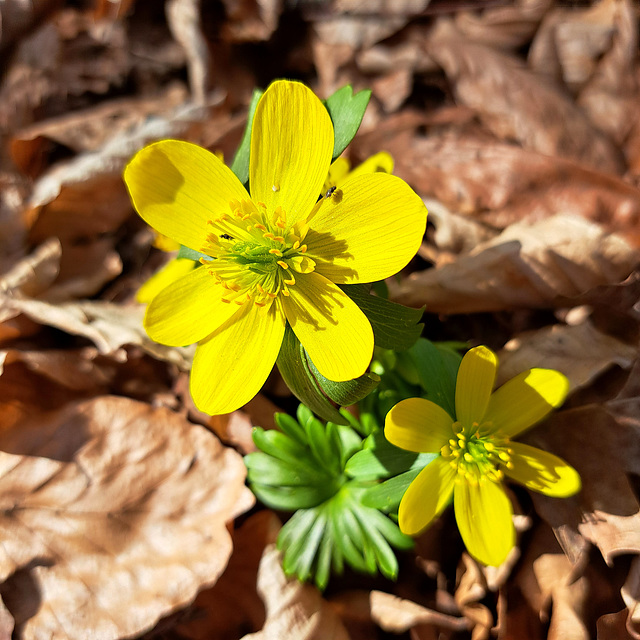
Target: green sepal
x,y
240,164
346,111
293,367
386,496
348,392
437,369
394,326
380,459
185,252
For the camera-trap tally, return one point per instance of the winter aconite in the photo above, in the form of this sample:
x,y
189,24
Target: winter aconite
x,y
476,452
274,256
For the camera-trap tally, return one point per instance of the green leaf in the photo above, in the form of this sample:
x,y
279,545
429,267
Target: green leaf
x,y
240,164
346,111
185,252
291,498
394,325
386,496
437,370
293,367
380,459
344,393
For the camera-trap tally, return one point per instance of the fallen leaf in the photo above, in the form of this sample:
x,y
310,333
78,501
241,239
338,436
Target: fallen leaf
x,y
295,610
516,104
116,510
544,264
7,623
562,347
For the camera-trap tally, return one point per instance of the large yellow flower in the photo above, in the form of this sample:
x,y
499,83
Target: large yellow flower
x,y
277,255
476,452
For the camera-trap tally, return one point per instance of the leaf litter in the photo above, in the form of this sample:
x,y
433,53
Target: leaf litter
x,y
518,125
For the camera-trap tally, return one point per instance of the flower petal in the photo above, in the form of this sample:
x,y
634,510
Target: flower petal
x,y
331,327
426,497
176,187
338,170
187,310
291,149
367,230
232,364
476,378
381,161
483,513
419,425
542,471
525,400
172,271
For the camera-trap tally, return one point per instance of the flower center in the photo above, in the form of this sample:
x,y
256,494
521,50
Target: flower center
x,y
477,453
256,256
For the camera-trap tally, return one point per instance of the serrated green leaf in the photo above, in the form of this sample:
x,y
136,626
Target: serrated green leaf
x,y
437,373
348,392
385,557
346,111
265,469
394,325
291,427
240,164
291,498
279,445
297,526
297,376
323,563
389,530
310,543
321,447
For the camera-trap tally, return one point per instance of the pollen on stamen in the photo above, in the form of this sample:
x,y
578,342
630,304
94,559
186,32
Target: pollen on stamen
x,y
290,282
296,244
283,264
279,239
259,226
276,252
303,248
268,235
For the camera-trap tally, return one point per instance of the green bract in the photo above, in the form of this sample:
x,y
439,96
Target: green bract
x,y
303,467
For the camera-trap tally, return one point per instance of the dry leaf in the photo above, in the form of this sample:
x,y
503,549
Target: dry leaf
x,y
515,104
295,610
544,264
562,347
113,509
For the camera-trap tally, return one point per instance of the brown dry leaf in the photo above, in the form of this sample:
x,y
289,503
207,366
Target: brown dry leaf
x,y
562,347
295,610
471,590
504,27
515,104
35,273
631,596
544,264
252,20
116,510
604,448
7,623
109,326
232,606
397,615
17,17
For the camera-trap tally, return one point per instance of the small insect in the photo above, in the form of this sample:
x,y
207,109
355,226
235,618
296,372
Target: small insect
x,y
330,192
226,236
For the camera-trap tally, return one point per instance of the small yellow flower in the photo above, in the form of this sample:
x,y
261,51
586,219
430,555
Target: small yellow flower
x,y
277,255
476,452
172,271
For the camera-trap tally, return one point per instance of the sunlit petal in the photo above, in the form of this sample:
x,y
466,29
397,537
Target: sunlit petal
x,y
177,186
426,496
525,400
291,148
187,310
476,377
379,162
543,472
331,327
338,170
232,364
172,271
367,230
483,513
419,425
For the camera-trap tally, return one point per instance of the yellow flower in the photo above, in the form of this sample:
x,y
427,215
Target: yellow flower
x,y
277,254
172,271
476,452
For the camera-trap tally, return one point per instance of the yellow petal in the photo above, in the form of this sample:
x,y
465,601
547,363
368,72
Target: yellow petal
x,y
483,513
426,497
187,310
337,171
525,400
291,148
232,364
543,472
177,186
164,243
172,271
336,334
416,424
476,378
379,162
367,230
